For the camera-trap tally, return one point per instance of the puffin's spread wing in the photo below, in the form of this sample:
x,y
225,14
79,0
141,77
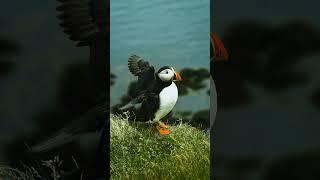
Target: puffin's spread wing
x,y
142,69
138,66
82,20
146,78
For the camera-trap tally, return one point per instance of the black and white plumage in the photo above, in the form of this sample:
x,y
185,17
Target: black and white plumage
x,y
158,93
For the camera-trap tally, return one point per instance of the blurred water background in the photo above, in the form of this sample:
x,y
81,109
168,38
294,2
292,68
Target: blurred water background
x,y
164,33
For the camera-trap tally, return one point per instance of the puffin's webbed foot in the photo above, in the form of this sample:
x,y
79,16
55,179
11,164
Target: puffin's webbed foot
x,y
162,128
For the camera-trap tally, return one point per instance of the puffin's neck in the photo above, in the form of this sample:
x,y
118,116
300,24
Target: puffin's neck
x,y
161,84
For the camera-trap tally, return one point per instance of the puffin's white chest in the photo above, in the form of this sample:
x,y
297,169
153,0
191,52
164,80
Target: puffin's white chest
x,y
168,98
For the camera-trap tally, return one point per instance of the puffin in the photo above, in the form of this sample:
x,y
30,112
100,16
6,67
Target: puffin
x,y
87,24
157,93
219,53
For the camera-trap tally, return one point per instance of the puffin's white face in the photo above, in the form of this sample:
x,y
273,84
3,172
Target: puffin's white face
x,y
166,75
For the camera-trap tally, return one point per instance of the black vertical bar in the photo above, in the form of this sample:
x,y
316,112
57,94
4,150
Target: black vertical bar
x,y
100,61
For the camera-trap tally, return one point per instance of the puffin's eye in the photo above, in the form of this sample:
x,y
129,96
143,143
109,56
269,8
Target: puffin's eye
x,y
167,72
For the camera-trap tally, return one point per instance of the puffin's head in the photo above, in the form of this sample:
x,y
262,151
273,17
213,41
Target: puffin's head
x,y
167,73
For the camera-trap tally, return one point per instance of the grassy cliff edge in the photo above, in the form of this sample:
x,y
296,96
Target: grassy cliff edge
x,y
141,153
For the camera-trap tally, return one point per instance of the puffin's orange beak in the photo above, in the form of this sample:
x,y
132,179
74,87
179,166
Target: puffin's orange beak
x,y
178,76
219,51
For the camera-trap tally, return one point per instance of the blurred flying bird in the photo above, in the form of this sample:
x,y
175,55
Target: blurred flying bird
x,y
87,23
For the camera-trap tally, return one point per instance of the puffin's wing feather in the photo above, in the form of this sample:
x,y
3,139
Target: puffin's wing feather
x,y
78,20
145,72
138,66
141,100
135,102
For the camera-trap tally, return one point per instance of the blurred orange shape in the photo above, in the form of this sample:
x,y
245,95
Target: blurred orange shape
x,y
219,51
164,131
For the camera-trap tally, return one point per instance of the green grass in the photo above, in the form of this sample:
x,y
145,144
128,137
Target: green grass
x,y
141,153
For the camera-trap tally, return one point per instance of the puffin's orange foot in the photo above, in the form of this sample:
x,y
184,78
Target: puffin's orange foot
x,y
163,129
